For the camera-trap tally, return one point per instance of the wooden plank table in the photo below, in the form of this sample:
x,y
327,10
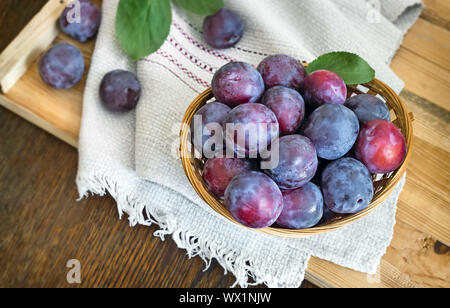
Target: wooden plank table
x,y
418,255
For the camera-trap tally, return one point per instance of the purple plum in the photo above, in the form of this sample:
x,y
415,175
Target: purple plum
x,y
223,30
206,121
303,207
367,108
323,87
82,27
250,129
120,91
218,172
282,70
381,146
347,186
297,162
237,83
62,66
289,107
254,199
333,129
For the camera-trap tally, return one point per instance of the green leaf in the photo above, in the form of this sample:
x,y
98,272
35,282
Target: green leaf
x,y
352,68
201,7
142,26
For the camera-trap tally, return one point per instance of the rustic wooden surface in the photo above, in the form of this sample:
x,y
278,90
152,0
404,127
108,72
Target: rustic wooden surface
x,y
42,227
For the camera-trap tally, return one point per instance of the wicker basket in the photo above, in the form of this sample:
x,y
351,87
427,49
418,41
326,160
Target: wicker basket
x,y
383,185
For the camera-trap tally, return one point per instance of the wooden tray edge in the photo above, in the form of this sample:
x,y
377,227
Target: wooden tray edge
x,y
38,121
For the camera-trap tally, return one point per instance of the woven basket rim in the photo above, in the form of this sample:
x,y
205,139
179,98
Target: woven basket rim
x,y
212,201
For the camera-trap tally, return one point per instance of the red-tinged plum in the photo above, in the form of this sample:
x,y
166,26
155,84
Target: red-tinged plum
x,y
323,87
297,162
237,83
347,186
367,108
120,91
84,26
207,120
282,70
223,30
250,129
288,106
254,199
333,129
381,146
62,66
218,172
303,207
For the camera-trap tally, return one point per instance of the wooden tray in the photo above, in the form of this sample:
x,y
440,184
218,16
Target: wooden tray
x,y
23,92
409,261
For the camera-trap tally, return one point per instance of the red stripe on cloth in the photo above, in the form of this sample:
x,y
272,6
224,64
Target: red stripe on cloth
x,y
173,73
182,68
198,62
203,47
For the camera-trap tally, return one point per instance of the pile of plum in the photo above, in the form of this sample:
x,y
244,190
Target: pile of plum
x,y
288,148
326,146
62,66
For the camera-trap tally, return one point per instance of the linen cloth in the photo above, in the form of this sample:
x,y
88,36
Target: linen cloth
x,y
132,156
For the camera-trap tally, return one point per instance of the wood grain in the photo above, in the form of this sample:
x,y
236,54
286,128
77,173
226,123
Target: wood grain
x,y
41,227
430,42
437,12
423,77
14,16
409,262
